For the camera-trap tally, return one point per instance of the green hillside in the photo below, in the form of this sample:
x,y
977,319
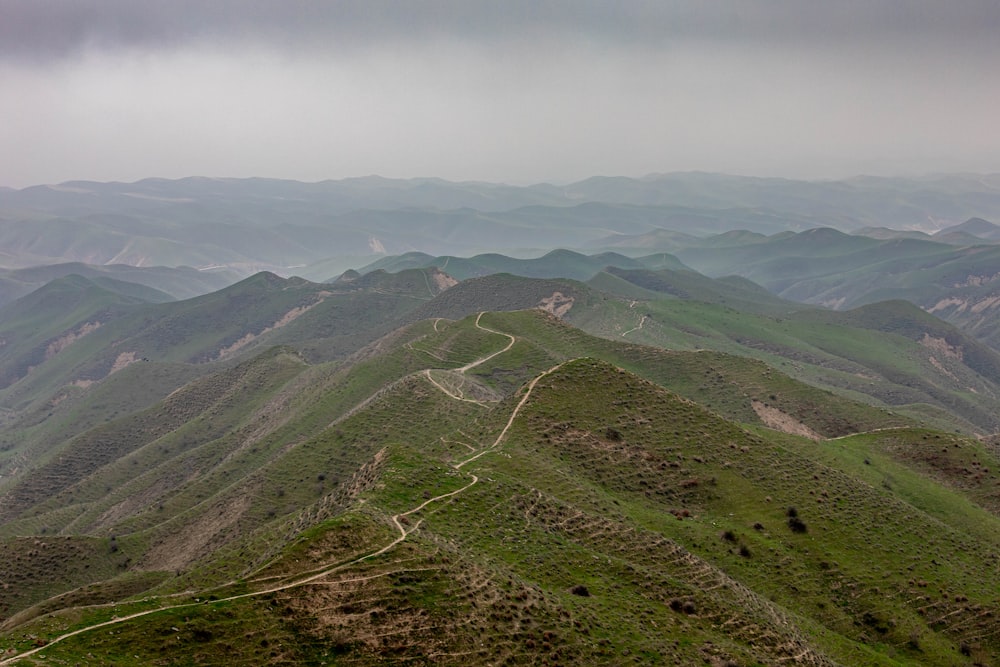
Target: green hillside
x,y
955,386
954,280
555,264
395,510
822,267
733,292
163,283
75,332
42,324
653,467
891,355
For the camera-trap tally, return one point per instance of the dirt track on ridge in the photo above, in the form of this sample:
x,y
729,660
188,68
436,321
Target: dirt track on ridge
x,y
330,569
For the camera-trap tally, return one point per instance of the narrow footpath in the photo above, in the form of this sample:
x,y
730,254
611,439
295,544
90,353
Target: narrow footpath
x,y
332,568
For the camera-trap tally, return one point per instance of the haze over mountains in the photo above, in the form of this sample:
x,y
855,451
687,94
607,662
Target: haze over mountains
x,y
684,419
285,226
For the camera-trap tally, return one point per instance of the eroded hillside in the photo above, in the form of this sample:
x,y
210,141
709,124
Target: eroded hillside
x,y
502,489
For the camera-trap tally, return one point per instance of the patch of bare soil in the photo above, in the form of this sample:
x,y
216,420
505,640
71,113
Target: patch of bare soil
x,y
986,304
834,304
948,303
476,618
61,343
123,360
288,317
938,365
558,304
443,280
780,421
942,347
977,281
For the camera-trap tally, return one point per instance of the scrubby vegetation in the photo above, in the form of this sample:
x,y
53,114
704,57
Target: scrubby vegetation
x,y
500,487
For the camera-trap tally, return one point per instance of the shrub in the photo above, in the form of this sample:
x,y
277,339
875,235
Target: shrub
x,y
796,524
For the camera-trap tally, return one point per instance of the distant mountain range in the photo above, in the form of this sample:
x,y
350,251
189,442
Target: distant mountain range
x,y
289,227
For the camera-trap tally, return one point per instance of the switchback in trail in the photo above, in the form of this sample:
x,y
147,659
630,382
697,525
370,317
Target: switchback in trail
x,y
331,568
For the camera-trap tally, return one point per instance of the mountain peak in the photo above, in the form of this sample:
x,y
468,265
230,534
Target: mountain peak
x,y
977,227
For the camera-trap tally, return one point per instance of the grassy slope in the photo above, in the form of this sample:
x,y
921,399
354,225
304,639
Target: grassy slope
x,y
556,264
887,371
32,325
824,267
242,319
159,476
898,368
726,383
646,500
276,446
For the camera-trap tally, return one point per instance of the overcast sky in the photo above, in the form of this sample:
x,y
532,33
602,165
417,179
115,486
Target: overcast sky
x,y
515,91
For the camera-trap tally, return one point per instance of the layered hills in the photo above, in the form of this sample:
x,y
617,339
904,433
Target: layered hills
x,y
505,470
822,266
318,230
745,421
163,283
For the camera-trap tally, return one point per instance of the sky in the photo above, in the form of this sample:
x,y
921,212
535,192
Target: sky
x,y
518,91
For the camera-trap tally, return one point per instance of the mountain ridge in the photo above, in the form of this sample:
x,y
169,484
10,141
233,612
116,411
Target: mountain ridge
x,y
255,224
645,464
661,561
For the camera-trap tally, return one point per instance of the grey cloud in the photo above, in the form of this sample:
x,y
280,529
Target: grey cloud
x,y
513,90
46,30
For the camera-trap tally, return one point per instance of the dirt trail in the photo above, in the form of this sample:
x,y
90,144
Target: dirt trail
x,y
642,322
781,421
470,365
510,422
477,362
874,430
403,532
427,374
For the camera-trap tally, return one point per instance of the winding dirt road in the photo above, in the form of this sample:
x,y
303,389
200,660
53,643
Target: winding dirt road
x,y
469,366
396,520
477,362
642,323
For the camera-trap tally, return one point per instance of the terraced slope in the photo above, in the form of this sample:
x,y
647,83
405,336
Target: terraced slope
x,y
588,517
828,268
74,332
504,486
890,355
